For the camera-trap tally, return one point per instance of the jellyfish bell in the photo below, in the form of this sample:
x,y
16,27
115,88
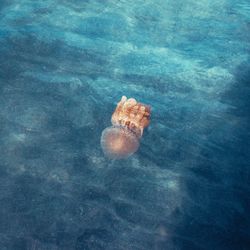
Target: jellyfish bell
x,y
119,142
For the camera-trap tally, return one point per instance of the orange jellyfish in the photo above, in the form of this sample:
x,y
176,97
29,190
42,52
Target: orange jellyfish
x,y
129,120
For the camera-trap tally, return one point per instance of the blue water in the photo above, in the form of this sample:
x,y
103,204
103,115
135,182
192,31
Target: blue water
x,y
63,67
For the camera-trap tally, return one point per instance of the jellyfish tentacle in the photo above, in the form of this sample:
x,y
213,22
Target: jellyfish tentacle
x,y
123,99
118,111
139,116
142,108
130,102
144,122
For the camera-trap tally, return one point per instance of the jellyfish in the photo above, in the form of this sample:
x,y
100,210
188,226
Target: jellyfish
x,y
129,119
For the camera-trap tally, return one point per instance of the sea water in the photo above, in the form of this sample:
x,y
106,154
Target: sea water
x,y
64,65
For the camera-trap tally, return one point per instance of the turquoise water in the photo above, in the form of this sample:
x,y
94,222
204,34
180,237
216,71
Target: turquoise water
x,y
63,67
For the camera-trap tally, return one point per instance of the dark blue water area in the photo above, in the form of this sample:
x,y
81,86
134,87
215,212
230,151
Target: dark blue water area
x,y
64,65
